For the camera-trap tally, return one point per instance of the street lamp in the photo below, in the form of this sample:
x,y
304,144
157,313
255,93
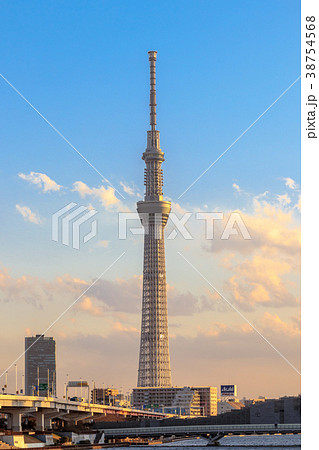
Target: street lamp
x,y
93,392
16,367
67,387
54,384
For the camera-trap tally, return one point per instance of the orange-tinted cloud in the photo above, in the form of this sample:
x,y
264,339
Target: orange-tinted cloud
x,y
266,269
260,280
87,305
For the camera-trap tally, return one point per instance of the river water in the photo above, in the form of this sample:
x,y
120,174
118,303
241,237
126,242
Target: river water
x,y
284,442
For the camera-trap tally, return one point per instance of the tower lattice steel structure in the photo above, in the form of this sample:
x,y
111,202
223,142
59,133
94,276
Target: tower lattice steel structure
x,y
154,362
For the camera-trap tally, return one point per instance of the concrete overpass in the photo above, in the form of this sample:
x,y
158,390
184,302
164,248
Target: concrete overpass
x,y
44,409
212,433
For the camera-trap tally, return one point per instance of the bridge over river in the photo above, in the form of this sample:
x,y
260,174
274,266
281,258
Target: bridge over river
x,y
212,433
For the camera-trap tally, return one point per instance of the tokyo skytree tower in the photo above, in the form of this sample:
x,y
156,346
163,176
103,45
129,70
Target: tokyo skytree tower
x,y
154,362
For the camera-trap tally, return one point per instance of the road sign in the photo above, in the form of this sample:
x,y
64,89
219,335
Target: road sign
x,y
78,384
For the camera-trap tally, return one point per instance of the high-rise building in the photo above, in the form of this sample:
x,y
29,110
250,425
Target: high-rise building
x,y
40,365
154,362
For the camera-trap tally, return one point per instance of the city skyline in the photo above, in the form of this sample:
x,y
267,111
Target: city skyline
x,y
204,106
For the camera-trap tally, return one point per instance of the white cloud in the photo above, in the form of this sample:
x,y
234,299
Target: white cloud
x,y
105,195
28,215
290,183
259,196
298,205
236,187
270,226
130,191
41,180
284,199
177,208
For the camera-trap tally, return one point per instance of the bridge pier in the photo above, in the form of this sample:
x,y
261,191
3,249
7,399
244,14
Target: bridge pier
x,y
77,416
49,415
43,418
213,440
39,421
47,422
14,422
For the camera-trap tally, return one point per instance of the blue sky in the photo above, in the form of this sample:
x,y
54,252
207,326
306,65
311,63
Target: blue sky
x,y
84,66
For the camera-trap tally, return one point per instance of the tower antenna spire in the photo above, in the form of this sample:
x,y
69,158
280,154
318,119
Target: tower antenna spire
x,y
152,58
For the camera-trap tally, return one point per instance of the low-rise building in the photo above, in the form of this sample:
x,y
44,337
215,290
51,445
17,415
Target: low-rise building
x,y
187,403
224,406
282,410
208,399
159,398
107,396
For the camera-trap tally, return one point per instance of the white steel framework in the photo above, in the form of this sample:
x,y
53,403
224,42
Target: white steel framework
x,y
154,362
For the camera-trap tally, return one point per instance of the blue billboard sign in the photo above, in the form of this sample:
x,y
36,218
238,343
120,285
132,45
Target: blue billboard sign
x,y
228,389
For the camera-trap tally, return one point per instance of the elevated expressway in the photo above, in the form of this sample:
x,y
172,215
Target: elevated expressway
x,y
44,409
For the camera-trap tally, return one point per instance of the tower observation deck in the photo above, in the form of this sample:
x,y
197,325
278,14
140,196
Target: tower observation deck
x,y
154,361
